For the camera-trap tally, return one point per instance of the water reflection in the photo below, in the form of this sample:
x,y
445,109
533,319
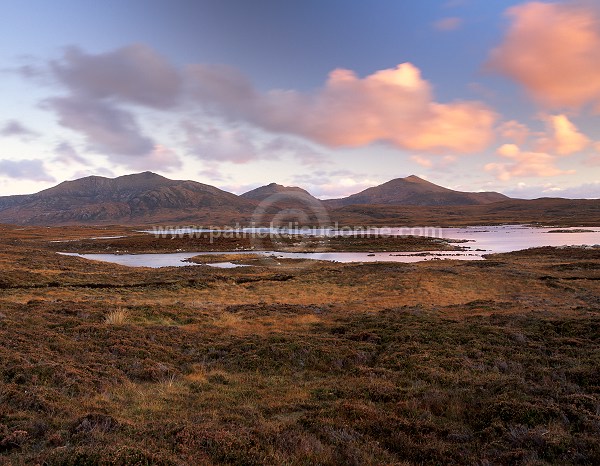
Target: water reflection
x,y
481,240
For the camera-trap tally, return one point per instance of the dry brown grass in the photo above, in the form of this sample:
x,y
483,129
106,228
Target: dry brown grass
x,y
118,316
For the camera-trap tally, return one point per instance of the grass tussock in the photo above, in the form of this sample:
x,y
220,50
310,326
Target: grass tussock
x,y
117,317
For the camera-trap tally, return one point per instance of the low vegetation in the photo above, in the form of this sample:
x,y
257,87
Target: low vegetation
x,y
116,317
440,362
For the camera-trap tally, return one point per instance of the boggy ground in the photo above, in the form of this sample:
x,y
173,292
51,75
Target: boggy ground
x,y
438,362
135,242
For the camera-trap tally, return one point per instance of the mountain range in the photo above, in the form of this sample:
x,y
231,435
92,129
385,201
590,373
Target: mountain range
x,y
131,198
145,198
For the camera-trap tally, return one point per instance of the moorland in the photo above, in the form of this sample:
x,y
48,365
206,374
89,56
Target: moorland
x,y
436,362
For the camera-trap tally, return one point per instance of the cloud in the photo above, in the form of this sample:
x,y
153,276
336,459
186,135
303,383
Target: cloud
x,y
561,136
161,158
27,169
553,50
66,153
451,23
222,87
436,164
393,105
514,131
592,160
15,128
564,138
290,147
482,90
135,74
524,164
100,89
214,142
105,93
583,191
212,171
586,190
423,161
238,144
95,171
107,129
29,71
319,183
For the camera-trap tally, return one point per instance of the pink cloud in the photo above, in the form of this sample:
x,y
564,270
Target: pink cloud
x,y
451,23
105,92
393,105
514,131
553,50
564,137
593,160
436,163
482,90
423,161
524,164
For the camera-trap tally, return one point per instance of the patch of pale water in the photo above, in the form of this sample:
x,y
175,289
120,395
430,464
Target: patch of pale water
x,y
480,240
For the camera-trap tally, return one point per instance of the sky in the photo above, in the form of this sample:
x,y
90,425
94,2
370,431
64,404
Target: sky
x,y
330,95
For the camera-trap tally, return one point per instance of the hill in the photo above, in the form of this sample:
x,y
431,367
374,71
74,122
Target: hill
x,y
413,190
286,204
137,198
263,192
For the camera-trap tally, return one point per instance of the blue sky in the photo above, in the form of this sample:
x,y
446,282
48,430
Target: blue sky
x,y
333,95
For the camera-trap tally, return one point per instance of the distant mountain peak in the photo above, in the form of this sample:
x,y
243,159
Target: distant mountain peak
x,y
142,176
413,190
415,179
262,192
146,174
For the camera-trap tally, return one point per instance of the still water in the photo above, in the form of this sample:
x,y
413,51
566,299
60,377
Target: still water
x,y
176,259
480,240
